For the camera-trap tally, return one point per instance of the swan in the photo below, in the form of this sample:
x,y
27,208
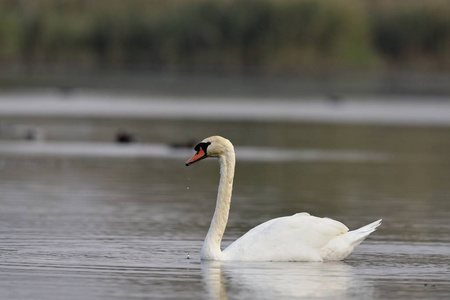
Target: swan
x,y
300,237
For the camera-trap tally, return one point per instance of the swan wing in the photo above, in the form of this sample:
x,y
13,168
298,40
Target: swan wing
x,y
293,238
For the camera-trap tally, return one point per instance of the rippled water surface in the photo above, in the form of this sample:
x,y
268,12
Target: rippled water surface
x,y
84,218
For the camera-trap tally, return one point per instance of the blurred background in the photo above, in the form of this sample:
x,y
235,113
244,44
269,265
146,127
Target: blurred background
x,y
397,46
339,108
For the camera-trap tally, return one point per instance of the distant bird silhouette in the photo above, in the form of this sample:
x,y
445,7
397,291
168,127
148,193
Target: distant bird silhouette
x,y
124,137
34,134
335,99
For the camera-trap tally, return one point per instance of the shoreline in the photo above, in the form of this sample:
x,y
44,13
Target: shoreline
x,y
336,84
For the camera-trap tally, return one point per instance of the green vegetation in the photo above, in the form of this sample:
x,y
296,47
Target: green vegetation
x,y
228,35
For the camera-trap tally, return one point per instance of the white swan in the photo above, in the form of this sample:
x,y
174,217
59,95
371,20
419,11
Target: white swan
x,y
300,237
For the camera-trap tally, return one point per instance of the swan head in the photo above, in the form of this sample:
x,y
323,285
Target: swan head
x,y
214,146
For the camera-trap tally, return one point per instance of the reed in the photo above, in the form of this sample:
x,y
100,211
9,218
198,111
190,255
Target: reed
x,y
228,35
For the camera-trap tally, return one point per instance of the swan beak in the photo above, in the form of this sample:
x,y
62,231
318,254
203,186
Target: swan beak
x,y
198,156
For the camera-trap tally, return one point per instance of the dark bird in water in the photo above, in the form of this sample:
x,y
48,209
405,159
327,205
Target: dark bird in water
x,y
124,137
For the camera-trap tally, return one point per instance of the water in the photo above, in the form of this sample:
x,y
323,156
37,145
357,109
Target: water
x,y
84,218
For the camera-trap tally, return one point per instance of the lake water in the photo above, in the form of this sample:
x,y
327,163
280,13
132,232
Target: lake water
x,y
82,217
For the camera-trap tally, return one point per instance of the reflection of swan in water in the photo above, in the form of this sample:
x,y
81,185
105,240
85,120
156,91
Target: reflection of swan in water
x,y
283,280
300,237
214,279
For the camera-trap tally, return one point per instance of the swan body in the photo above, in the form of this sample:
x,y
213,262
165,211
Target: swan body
x,y
300,237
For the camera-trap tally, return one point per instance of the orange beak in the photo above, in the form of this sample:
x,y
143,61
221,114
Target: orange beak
x,y
199,155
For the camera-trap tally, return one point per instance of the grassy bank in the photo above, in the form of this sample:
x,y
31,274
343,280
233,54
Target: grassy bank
x,y
228,35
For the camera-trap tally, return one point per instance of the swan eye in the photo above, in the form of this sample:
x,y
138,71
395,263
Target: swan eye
x,y
202,145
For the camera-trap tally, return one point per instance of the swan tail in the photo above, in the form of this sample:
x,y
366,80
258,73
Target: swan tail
x,y
341,246
355,237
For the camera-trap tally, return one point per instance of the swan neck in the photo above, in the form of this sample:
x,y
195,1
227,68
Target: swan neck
x,y
211,247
